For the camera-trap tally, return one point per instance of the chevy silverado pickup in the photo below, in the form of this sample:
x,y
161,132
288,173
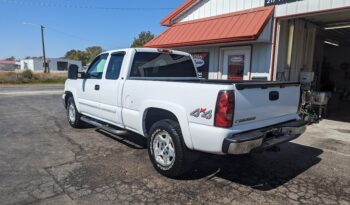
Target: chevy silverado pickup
x,y
157,94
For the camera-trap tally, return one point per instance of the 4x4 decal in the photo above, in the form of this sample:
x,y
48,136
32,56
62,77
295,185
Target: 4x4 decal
x,y
202,112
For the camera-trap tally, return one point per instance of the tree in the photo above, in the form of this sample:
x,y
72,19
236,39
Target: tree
x,y
84,56
78,55
33,57
12,58
93,51
143,38
72,54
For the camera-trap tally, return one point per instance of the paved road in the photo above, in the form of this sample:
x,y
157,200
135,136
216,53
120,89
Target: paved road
x,y
30,89
44,161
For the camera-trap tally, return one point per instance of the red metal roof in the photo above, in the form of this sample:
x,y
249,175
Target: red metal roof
x,y
167,21
231,27
7,62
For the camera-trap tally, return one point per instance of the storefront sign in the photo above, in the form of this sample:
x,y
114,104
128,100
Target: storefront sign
x,y
202,63
276,2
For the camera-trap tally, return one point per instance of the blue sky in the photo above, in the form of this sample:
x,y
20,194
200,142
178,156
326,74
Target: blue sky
x,y
69,27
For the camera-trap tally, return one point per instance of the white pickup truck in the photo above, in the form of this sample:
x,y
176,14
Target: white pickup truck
x,y
157,94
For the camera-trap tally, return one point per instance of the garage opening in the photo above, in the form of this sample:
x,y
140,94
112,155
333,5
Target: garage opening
x,y
315,50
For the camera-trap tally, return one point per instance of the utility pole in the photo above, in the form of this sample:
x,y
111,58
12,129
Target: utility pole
x,y
46,67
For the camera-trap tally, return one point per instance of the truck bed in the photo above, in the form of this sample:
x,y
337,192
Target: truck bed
x,y
240,85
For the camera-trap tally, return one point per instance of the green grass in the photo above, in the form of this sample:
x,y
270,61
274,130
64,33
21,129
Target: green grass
x,y
28,77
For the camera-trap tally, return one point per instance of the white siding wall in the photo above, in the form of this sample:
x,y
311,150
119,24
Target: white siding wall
x,y
261,60
260,63
304,6
27,64
266,34
37,64
208,8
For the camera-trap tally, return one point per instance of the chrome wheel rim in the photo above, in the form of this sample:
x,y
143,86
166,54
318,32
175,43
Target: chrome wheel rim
x,y
71,112
163,149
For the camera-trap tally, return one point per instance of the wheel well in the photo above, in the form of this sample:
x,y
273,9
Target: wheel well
x,y
68,94
153,115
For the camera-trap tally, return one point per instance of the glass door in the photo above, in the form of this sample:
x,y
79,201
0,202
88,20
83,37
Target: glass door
x,y
236,63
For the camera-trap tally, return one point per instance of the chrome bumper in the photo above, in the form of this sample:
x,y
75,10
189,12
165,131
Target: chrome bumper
x,y
264,138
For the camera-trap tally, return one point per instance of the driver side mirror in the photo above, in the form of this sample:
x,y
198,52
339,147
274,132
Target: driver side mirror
x,y
73,72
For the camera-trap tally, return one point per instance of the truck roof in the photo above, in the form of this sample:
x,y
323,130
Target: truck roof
x,y
147,50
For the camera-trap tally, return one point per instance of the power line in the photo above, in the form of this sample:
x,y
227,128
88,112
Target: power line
x,y
67,34
61,32
70,6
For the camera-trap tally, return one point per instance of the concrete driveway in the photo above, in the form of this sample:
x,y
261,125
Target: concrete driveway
x,y
45,161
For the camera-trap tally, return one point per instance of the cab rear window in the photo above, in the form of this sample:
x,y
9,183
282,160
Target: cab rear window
x,y
151,64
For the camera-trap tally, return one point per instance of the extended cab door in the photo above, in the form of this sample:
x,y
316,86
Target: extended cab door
x,y
89,90
110,92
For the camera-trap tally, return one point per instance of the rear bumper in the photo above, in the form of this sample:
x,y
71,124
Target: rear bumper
x,y
263,138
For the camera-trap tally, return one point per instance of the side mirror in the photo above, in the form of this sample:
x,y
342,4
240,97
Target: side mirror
x,y
73,72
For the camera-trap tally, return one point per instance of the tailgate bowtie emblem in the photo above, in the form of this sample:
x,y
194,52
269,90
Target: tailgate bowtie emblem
x,y
202,112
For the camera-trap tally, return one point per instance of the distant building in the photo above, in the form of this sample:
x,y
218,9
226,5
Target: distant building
x,y
9,65
55,64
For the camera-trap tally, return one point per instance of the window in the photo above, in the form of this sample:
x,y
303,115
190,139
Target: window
x,y
96,68
114,66
148,64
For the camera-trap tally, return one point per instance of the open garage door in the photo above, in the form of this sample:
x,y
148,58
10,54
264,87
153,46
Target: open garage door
x,y
315,49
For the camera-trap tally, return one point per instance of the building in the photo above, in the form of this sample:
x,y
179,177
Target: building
x,y
55,64
285,40
9,65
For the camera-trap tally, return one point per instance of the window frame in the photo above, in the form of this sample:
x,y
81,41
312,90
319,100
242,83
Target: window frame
x,y
87,76
109,60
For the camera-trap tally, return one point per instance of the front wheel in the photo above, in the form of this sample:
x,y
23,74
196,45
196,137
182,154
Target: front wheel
x,y
167,151
73,115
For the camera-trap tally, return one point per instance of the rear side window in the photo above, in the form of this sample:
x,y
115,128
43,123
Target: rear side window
x,y
114,66
147,64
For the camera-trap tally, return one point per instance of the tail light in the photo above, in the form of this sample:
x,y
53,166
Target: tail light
x,y
224,111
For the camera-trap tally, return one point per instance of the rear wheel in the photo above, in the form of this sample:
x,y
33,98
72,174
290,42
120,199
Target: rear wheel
x,y
73,115
167,151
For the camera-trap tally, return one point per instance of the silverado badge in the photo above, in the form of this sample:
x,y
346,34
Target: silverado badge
x,y
202,112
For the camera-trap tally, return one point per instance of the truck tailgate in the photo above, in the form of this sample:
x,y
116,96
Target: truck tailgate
x,y
259,101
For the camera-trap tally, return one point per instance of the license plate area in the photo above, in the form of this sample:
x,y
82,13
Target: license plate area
x,y
272,133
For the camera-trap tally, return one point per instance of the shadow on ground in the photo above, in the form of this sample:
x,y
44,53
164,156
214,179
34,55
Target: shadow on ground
x,y
264,171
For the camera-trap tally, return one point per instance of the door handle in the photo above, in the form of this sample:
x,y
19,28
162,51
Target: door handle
x,y
97,87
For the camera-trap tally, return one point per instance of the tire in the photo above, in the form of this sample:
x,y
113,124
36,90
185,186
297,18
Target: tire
x,y
73,115
167,150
